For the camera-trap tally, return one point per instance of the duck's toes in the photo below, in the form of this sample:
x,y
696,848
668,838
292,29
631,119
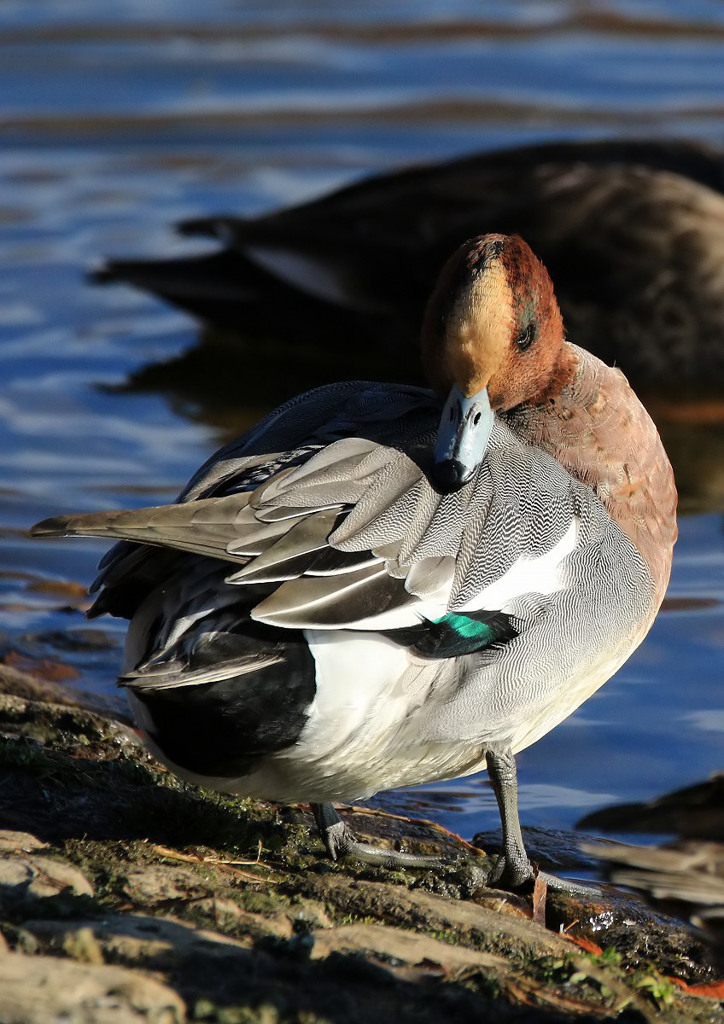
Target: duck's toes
x,y
570,888
340,842
391,859
511,872
521,878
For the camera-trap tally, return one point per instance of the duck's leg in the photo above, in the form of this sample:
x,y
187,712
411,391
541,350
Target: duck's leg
x,y
514,868
340,841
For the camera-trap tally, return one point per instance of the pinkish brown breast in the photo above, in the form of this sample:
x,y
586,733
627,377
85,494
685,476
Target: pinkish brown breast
x,y
600,432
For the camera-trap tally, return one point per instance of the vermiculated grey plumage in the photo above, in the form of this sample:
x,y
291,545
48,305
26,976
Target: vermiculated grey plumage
x,y
394,551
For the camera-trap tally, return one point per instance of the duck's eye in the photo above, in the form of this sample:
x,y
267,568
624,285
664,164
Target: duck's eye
x,y
476,420
526,337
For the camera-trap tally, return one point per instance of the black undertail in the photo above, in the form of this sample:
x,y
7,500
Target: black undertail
x,y
225,727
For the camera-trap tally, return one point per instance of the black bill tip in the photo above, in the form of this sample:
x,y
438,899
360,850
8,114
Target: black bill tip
x,y
450,475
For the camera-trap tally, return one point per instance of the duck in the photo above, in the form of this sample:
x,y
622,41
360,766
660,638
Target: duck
x,y
684,875
632,233
381,585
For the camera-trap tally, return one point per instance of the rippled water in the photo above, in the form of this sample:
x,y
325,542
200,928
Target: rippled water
x,y
117,121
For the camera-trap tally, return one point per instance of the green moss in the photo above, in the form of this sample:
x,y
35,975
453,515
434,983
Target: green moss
x,y
204,1010
445,935
348,919
660,990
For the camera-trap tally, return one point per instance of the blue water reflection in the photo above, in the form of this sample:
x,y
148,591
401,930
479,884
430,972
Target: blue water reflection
x,y
118,120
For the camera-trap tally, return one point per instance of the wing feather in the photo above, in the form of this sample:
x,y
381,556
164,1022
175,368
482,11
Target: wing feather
x,y
292,554
204,527
357,599
352,530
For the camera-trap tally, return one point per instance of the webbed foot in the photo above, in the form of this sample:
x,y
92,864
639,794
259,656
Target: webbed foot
x,y
340,841
511,872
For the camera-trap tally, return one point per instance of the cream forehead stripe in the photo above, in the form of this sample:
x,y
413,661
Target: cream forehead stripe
x,y
477,329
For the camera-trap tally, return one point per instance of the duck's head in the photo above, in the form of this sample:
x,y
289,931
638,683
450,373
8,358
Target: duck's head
x,y
492,338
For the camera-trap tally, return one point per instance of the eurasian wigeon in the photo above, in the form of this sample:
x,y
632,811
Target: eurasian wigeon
x,y
381,585
632,234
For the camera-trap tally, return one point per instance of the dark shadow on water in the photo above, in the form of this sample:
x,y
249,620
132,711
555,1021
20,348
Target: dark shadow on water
x,y
229,380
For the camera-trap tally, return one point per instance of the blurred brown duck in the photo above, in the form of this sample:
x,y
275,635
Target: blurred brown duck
x,y
632,234
684,877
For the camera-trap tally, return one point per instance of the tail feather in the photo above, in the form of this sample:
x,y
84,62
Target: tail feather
x,y
207,526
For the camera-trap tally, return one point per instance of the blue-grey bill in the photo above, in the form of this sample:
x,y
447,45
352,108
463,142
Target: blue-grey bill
x,y
462,438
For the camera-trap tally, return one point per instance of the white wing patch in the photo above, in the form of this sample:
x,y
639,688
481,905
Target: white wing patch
x,y
540,575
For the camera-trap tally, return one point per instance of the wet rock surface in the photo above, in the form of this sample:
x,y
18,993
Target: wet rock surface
x,y
127,896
